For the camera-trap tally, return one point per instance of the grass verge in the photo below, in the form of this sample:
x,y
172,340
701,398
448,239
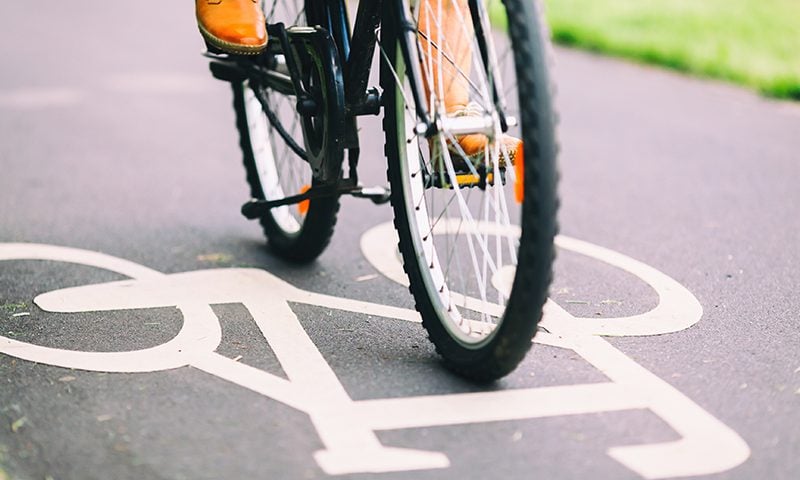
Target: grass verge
x,y
751,42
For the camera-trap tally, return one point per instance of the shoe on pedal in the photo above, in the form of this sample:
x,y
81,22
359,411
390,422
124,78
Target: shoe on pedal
x,y
232,26
472,148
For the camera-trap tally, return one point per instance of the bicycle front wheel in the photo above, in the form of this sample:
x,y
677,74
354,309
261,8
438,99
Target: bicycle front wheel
x,y
476,232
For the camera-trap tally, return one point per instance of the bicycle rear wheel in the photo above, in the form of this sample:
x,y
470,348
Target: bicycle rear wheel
x,y
274,167
479,264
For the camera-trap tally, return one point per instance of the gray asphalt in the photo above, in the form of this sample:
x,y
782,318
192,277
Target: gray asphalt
x,y
114,138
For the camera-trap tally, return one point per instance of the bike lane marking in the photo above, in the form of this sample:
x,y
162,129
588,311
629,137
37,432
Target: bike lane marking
x,y
707,445
347,427
169,355
351,446
677,308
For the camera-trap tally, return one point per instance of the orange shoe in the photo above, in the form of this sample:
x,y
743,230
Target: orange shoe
x,y
472,148
232,26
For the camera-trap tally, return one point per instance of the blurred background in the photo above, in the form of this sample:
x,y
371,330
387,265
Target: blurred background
x,y
755,43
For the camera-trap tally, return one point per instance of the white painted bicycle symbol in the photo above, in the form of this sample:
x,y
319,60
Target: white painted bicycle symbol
x,y
347,427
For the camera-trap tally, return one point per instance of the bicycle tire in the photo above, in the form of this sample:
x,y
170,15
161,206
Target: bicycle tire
x,y
490,354
298,233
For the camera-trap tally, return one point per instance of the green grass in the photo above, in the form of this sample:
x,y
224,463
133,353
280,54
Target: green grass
x,y
751,42
11,307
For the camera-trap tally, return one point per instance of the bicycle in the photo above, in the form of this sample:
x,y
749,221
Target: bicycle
x,y
479,280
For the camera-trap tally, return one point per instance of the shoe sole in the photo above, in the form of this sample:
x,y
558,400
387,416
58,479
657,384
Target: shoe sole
x,y
223,46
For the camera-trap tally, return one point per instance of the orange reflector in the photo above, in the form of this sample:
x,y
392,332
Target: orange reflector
x,y
302,207
519,170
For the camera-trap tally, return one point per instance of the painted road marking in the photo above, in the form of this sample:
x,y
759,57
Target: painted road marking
x,y
707,445
148,83
36,98
346,427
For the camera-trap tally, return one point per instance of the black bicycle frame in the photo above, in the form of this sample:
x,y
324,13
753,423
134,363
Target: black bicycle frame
x,y
355,53
356,50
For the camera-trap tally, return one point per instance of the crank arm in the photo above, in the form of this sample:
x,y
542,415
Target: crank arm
x,y
379,195
270,69
257,208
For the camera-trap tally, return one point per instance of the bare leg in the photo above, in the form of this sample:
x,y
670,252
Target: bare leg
x,y
446,37
440,26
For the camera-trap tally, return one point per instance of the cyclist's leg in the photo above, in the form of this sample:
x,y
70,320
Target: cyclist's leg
x,y
447,25
439,25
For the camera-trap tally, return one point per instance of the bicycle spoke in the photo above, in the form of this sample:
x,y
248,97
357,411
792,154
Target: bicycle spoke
x,y
454,191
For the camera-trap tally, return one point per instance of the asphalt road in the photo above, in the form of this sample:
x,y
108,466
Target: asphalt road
x,y
114,139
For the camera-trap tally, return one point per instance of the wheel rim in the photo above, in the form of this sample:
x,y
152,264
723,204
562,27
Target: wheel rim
x,y
280,171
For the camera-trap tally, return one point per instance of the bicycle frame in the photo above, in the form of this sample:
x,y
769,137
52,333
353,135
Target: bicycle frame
x,y
461,238
355,52
358,53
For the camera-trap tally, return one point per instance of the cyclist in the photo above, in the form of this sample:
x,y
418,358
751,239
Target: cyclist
x,y
238,27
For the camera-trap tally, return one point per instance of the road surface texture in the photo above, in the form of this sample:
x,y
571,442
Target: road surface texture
x,y
114,139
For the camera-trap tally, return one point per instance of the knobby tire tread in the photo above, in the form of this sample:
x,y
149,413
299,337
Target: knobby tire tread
x,y
539,225
317,229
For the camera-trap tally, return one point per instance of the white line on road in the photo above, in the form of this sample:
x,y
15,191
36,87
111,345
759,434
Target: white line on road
x,y
347,427
37,98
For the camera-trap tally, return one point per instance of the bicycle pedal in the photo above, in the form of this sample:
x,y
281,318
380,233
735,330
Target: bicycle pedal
x,y
213,49
379,195
465,179
225,70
